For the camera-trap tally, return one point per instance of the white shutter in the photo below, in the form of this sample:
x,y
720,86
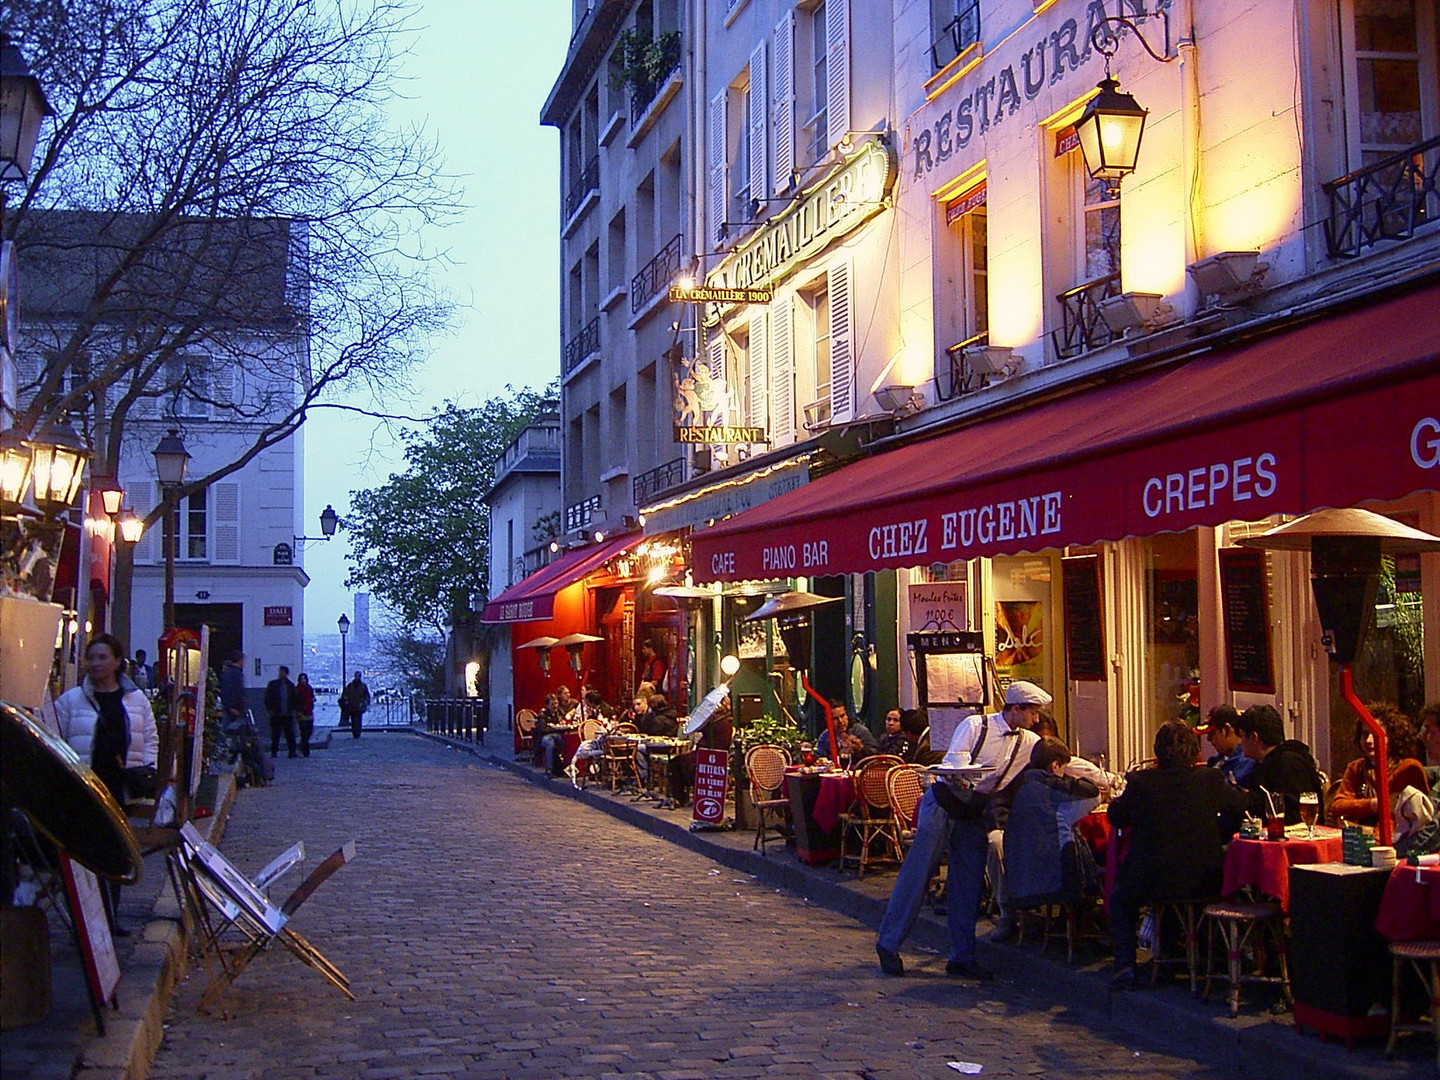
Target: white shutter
x,y
837,70
842,343
715,355
758,374
782,370
759,125
144,496
716,150
782,113
223,387
225,515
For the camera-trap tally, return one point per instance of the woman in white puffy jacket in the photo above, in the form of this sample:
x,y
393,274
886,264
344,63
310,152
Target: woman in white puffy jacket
x,y
107,718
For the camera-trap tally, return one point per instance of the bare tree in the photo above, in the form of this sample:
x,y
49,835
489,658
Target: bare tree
x,y
220,192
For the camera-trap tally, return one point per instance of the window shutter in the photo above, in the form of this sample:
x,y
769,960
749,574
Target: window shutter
x,y
717,167
842,344
782,368
715,356
223,380
782,114
225,513
759,124
144,496
837,70
758,374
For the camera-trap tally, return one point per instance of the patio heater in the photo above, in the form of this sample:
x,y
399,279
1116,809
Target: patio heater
x,y
1345,547
575,644
792,613
541,645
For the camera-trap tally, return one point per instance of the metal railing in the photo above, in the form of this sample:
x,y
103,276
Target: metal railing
x,y
661,478
1081,326
961,32
655,275
643,93
580,346
588,181
466,718
1384,201
962,378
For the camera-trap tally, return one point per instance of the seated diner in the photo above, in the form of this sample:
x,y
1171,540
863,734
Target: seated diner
x,y
1357,800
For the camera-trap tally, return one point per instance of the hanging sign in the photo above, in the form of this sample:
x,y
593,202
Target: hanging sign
x,y
708,294
712,769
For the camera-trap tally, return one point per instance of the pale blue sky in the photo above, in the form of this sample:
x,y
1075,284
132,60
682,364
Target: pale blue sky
x,y
477,75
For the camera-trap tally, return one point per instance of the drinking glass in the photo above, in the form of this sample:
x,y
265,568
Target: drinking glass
x,y
1309,811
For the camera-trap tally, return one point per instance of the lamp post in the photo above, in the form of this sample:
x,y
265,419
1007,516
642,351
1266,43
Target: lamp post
x,y
344,623
171,459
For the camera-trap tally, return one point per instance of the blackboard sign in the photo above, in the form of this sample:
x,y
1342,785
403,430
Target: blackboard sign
x,y
1246,598
1084,619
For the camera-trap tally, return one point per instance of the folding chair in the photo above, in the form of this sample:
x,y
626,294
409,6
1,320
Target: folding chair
x,y
224,903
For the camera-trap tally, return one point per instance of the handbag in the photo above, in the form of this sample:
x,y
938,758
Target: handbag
x,y
140,781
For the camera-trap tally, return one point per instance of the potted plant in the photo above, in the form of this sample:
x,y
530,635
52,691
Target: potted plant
x,y
643,59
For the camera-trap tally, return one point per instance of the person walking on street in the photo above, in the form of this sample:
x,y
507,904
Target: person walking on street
x,y
141,673
232,687
305,711
280,702
354,701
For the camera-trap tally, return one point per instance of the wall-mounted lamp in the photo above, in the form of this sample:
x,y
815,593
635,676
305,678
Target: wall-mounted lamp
x,y
899,399
1135,311
1228,273
329,521
1110,128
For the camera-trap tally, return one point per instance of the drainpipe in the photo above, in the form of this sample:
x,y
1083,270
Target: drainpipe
x,y
1190,135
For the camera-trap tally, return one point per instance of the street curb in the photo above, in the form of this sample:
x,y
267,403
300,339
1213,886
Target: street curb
x,y
1166,1020
134,1031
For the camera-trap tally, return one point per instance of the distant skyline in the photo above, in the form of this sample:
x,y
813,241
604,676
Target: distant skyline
x,y
475,78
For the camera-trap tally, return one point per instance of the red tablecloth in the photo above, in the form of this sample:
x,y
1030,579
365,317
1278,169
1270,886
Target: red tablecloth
x,y
1410,910
1265,864
837,792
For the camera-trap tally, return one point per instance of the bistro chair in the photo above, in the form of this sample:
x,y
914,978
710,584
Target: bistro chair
x,y
524,731
1423,957
904,787
870,821
1243,925
618,764
765,767
1186,916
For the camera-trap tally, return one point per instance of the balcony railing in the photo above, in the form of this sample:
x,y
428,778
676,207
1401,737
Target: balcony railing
x,y
643,93
958,377
1081,327
588,181
962,32
659,479
1384,201
578,515
656,275
582,345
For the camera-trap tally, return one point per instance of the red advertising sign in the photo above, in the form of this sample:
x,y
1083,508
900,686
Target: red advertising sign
x,y
279,616
712,767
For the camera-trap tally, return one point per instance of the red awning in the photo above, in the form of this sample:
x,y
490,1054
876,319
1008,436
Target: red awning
x,y
533,599
1334,413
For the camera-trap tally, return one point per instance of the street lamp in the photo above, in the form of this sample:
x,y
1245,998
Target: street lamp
x,y
22,107
57,467
15,463
329,520
171,458
344,623
1109,129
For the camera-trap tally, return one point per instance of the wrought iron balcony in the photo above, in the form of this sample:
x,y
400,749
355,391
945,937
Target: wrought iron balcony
x,y
643,93
655,275
958,376
1388,200
580,346
1081,327
659,479
961,32
588,181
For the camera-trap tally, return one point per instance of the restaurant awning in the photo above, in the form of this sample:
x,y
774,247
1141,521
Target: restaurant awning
x,y
1333,413
533,599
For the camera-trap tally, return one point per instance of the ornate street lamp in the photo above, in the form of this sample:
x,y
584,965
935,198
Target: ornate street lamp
x,y
329,520
344,623
22,108
15,463
171,460
1109,132
58,465
131,527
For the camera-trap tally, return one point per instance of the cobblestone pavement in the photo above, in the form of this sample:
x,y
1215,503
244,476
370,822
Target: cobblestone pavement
x,y
490,929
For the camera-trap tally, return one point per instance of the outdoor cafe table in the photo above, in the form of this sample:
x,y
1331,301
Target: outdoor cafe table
x,y
816,802
1264,865
1410,909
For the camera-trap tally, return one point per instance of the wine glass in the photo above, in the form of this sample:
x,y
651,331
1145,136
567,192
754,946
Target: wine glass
x,y
1309,811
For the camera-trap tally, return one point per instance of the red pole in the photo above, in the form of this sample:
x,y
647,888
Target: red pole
x,y
1382,753
829,717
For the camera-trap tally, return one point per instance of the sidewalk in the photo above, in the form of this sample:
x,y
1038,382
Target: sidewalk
x,y
1203,1030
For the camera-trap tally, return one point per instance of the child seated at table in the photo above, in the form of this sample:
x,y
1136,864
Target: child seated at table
x,y
1044,864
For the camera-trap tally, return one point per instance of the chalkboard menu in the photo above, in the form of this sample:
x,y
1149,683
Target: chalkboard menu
x,y
1084,618
1246,601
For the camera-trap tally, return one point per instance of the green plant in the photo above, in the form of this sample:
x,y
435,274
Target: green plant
x,y
766,730
643,60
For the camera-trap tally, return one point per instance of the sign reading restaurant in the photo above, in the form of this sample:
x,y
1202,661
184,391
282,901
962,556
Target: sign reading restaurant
x,y
720,433
848,196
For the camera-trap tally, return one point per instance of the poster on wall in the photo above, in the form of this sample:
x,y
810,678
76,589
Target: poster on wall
x,y
1020,640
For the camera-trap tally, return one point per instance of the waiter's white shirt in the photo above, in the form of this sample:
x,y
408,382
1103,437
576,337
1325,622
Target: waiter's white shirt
x,y
997,752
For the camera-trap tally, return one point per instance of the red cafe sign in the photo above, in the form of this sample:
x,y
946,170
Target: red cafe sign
x,y
712,767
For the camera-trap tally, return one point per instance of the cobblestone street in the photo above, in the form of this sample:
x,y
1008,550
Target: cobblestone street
x,y
491,929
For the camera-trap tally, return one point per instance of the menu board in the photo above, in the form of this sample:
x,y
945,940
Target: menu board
x,y
1084,618
92,932
1245,595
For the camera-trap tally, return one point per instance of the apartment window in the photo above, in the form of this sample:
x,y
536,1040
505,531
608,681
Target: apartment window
x,y
740,156
1392,76
194,519
818,367
1088,257
968,249
824,348
1102,227
954,27
816,129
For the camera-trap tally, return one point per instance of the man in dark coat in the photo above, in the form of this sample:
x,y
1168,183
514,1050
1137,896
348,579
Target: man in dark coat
x,y
1286,767
1173,815
280,705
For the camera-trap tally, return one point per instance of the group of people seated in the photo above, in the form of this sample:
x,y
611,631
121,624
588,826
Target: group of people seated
x,y
906,735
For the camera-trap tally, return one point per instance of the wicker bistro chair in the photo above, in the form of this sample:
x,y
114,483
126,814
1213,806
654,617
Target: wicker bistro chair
x,y
871,821
618,765
1246,927
765,768
525,731
904,787
1423,958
